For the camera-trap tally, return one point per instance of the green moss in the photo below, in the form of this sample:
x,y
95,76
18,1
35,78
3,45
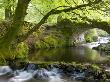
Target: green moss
x,y
49,41
2,62
22,50
96,68
108,57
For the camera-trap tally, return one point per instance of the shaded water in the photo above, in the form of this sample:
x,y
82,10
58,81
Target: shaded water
x,y
73,54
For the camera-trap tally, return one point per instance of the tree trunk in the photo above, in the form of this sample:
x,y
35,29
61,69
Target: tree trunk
x,y
10,36
8,13
8,9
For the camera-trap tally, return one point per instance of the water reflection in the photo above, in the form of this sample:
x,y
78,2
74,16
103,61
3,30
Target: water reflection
x,y
77,54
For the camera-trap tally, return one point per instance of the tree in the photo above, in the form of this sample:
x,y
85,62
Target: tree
x,y
16,25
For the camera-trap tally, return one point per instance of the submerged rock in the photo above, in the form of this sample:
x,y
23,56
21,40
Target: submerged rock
x,y
78,76
5,70
21,77
46,74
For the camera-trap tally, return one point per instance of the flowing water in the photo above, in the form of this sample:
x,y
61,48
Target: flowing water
x,y
33,74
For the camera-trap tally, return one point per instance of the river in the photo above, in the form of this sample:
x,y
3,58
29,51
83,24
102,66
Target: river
x,y
72,54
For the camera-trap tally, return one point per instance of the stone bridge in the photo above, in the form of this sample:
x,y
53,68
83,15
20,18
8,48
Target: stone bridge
x,y
78,28
72,29
75,29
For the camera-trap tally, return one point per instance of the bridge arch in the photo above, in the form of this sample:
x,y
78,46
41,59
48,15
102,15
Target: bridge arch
x,y
74,29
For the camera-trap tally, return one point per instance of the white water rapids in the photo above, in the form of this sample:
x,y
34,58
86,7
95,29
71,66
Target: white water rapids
x,y
30,75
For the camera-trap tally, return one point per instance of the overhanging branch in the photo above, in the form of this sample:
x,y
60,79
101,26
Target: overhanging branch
x,y
52,12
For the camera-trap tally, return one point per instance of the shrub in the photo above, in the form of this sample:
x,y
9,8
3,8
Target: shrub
x,y
95,38
88,39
